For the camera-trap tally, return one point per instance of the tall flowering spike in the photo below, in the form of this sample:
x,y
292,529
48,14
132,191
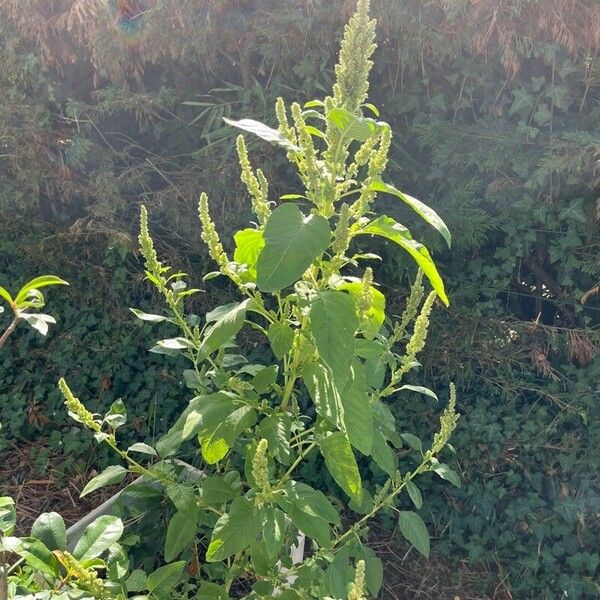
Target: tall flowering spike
x,y
152,263
419,336
352,71
76,409
378,159
86,579
257,187
284,126
260,467
209,234
366,293
448,422
308,166
341,235
412,306
357,587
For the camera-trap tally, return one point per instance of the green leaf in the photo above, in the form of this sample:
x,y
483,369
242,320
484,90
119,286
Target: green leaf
x,y
425,212
312,502
324,394
352,126
34,552
234,531
292,243
180,534
382,454
110,476
263,131
38,282
358,414
281,337
4,294
212,591
419,389
184,498
333,322
415,494
8,515
413,528
273,528
248,246
341,463
445,472
375,315
374,570
50,529
142,448
226,327
117,414
276,429
136,582
98,536
147,316
265,378
172,346
413,441
220,489
388,228
164,579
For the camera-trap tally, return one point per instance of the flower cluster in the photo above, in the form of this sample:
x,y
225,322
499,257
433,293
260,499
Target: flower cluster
x,y
76,409
448,422
257,185
357,588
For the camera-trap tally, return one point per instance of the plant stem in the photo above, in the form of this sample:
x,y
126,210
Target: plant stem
x,y
8,331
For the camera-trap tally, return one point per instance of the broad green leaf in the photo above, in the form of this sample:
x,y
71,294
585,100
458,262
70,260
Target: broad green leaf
x,y
117,414
172,346
98,536
262,131
324,394
351,126
382,454
110,476
212,591
164,579
388,228
183,496
312,502
201,412
374,317
140,314
34,552
38,282
50,529
265,378
8,515
374,570
234,531
220,489
180,534
341,463
281,337
276,429
358,414
38,321
333,322
292,243
445,472
413,528
273,529
413,441
248,245
226,327
415,494
142,448
425,212
136,582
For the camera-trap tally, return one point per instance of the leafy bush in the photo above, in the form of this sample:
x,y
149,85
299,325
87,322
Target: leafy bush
x,y
334,362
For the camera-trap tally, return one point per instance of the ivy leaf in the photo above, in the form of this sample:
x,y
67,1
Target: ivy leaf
x,y
413,528
333,322
248,245
388,228
234,531
281,337
324,393
262,131
50,529
180,534
110,476
98,537
341,463
292,243
224,328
